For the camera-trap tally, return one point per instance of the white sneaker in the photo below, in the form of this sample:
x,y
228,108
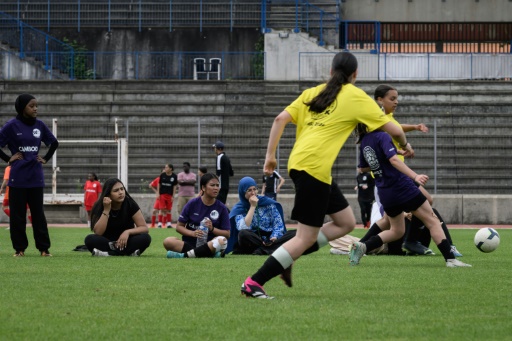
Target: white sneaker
x,y
455,263
136,253
99,253
168,225
335,251
159,225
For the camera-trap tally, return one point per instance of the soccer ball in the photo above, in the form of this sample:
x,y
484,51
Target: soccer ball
x,y
487,239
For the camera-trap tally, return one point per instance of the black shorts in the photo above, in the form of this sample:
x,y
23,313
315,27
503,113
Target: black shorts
x,y
314,199
411,205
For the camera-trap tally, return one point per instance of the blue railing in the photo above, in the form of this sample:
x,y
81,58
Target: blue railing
x,y
170,14
33,43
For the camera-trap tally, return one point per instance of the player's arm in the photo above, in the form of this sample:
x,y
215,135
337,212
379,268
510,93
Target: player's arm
x,y
403,168
4,183
263,187
181,229
281,183
276,131
412,127
398,134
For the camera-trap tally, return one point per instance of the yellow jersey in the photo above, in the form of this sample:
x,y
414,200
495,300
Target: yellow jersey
x,y
395,142
320,136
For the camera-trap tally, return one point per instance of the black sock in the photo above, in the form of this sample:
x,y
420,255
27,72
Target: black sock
x,y
373,231
270,269
413,232
445,249
373,243
445,228
202,251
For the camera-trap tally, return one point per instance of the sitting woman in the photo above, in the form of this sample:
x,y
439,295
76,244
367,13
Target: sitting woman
x,y
118,224
257,222
205,206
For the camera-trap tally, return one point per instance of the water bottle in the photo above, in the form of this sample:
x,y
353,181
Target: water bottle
x,y
204,238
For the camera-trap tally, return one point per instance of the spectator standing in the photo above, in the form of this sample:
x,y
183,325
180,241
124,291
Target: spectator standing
x,y
223,170
92,189
271,186
365,196
24,135
186,181
166,191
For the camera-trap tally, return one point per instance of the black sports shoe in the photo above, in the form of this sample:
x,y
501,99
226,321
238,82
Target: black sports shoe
x,y
415,248
252,289
286,276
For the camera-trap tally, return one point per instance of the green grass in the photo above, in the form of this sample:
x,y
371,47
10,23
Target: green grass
x,y
73,296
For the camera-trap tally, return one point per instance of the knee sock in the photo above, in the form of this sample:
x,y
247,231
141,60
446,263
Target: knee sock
x,y
153,220
160,218
321,241
373,243
8,212
202,251
273,266
444,227
169,217
30,218
445,249
373,231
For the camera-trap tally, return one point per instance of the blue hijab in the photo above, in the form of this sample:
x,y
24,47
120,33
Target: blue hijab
x,y
242,207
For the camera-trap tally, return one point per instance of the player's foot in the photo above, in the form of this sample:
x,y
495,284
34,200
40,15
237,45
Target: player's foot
x,y
455,263
335,251
152,226
136,253
286,276
98,253
159,225
252,289
46,254
168,225
172,254
356,253
455,252
416,248
19,254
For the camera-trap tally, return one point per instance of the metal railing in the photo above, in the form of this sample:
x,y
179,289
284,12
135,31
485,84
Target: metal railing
x,y
30,42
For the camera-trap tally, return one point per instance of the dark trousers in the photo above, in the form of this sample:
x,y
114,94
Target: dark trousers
x,y
223,195
366,210
18,200
250,243
137,242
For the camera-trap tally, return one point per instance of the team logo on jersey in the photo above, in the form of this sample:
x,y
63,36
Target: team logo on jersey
x,y
371,157
364,178
214,215
36,132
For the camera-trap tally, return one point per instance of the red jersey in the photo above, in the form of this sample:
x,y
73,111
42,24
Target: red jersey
x,y
92,190
155,182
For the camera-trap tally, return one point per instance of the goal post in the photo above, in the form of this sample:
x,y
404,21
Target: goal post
x,y
120,144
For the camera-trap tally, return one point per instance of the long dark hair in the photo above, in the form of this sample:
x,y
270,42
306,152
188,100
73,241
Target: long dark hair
x,y
382,90
97,208
361,130
344,64
94,177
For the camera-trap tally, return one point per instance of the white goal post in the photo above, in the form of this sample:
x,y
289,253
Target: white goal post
x,y
122,155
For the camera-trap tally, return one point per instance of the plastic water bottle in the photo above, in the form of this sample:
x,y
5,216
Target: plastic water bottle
x,y
204,238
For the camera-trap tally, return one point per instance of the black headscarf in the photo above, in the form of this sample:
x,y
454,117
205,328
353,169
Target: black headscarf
x,y
20,104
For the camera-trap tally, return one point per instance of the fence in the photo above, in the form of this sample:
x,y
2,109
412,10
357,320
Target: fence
x,y
427,66
454,154
404,37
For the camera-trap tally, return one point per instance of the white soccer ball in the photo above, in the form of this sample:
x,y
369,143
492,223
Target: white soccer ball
x,y
487,239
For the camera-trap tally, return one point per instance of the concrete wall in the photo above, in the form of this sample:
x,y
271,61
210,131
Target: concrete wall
x,y
455,209
281,53
427,10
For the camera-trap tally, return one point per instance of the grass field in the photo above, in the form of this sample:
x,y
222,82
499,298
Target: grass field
x,y
73,296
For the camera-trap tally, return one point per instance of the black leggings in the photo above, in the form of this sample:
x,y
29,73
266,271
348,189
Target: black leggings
x,y
18,200
136,242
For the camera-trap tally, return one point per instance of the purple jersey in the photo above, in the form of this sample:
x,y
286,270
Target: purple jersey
x,y
20,137
394,187
195,210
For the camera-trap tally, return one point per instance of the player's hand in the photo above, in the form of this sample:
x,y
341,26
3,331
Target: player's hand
x,y
408,152
421,179
123,240
421,127
253,200
106,203
16,157
270,165
41,160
